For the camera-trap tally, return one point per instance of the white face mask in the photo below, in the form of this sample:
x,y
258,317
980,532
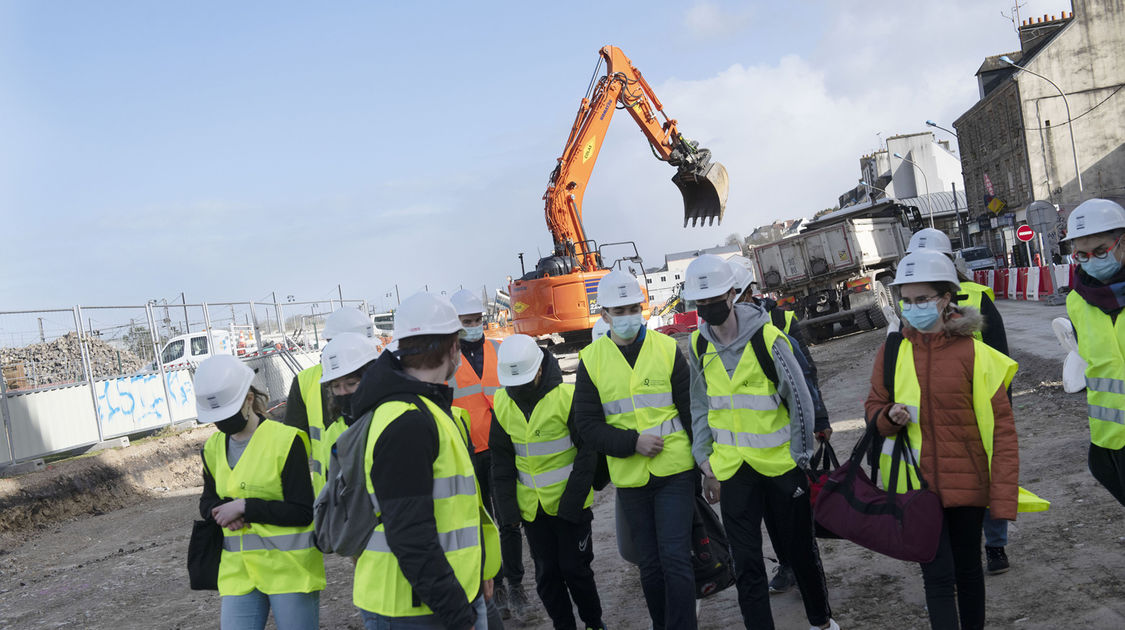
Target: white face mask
x,y
472,333
627,326
455,364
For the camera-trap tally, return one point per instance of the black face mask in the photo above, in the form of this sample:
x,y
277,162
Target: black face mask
x,y
233,424
522,392
714,314
344,404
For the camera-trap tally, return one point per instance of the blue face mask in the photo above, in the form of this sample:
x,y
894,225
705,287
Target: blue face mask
x,y
627,326
472,333
1102,269
922,317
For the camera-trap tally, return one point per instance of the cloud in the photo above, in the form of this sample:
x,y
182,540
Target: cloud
x,y
708,21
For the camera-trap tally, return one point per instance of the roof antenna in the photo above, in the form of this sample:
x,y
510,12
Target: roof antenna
x,y
1015,16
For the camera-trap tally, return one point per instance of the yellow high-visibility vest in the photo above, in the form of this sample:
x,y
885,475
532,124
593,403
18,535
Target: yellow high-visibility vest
x,y
544,449
748,421
1101,342
640,398
271,558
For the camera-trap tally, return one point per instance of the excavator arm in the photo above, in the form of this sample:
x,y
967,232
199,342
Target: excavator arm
x,y
703,183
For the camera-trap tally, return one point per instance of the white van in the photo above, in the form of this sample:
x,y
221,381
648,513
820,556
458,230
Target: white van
x,y
188,350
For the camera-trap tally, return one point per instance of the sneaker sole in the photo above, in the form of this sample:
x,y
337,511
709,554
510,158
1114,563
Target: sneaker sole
x,y
999,571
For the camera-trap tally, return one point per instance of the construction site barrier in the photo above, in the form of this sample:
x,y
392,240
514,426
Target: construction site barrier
x,y
1026,283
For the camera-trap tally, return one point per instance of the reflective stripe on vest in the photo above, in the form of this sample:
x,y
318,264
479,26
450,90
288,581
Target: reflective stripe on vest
x,y
474,394
271,558
544,449
747,420
1101,342
459,518
639,398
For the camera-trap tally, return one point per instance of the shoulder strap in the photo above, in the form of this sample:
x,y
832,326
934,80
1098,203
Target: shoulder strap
x,y
890,361
758,343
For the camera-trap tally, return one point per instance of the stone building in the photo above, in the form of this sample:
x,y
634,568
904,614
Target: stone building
x,y
1016,140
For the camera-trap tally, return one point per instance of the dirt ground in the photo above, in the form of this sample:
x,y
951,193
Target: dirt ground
x,y
99,541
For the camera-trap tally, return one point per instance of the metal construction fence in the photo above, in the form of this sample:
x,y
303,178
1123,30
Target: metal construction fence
x,y
74,377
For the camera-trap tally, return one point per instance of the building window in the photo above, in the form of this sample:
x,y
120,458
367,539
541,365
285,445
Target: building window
x,y
677,276
648,280
664,278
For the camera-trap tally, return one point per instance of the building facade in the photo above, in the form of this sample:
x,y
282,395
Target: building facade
x,y
662,282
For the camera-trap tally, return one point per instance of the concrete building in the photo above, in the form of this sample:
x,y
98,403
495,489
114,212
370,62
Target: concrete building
x,y
662,281
1017,139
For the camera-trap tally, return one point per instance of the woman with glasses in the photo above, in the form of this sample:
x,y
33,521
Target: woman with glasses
x,y
1094,230
950,403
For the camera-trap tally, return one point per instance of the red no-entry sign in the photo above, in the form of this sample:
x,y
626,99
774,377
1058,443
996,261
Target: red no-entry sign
x,y
1025,233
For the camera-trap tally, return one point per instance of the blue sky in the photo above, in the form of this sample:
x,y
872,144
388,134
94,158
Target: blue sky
x,y
231,149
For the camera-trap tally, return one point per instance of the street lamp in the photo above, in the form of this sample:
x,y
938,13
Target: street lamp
x,y
1069,123
937,126
876,188
926,181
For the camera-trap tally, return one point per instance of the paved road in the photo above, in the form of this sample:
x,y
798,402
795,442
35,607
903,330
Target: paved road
x,y
1028,325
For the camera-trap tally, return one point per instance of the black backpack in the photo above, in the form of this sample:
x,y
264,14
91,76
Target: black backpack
x,y
710,551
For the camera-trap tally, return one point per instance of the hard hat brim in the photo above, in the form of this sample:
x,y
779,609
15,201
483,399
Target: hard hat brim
x,y
210,416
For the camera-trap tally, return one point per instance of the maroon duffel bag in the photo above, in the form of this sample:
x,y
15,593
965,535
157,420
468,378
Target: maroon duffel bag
x,y
906,526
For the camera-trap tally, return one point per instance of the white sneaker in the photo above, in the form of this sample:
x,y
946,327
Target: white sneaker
x,y
832,625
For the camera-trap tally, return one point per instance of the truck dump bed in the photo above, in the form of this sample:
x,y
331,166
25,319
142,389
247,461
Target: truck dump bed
x,y
841,249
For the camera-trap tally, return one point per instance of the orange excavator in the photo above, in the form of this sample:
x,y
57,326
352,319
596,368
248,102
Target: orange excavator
x,y
559,295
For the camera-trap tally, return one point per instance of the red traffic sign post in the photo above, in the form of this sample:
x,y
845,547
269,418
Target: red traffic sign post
x,y
1025,233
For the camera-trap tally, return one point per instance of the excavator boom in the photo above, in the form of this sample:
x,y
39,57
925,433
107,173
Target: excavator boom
x,y
549,307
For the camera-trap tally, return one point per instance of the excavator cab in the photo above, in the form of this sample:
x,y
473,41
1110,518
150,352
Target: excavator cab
x,y
704,185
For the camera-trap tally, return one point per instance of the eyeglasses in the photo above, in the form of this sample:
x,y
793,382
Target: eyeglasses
x,y
1100,252
906,303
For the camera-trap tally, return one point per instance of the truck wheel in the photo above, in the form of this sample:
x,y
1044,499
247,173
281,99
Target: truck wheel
x,y
863,319
819,334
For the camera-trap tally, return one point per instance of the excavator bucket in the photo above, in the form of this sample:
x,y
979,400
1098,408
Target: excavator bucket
x,y
705,192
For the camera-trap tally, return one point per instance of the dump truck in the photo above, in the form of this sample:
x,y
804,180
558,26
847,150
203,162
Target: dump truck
x,y
836,278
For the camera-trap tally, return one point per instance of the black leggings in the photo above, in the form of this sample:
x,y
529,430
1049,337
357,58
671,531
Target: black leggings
x,y
956,572
1108,467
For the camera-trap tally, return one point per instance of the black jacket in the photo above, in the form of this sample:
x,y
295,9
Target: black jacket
x,y
590,417
296,414
504,474
993,335
295,508
402,475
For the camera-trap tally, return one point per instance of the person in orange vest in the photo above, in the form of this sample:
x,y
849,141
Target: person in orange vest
x,y
474,384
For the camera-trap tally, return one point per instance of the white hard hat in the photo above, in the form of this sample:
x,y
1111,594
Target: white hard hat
x,y
1094,216
348,320
740,269
518,359
466,302
707,276
425,314
930,239
926,265
345,354
619,288
221,384
601,327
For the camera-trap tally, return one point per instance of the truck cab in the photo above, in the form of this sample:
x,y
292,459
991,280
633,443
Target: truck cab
x,y
189,349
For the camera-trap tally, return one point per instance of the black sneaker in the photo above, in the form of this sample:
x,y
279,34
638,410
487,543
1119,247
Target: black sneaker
x,y
997,560
783,580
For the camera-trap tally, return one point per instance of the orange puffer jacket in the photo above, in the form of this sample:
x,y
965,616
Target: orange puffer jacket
x,y
953,458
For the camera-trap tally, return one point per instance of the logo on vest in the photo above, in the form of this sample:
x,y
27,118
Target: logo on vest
x,y
654,382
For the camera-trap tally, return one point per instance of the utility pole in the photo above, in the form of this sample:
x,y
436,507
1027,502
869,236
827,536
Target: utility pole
x,y
42,337
277,312
187,326
397,299
340,292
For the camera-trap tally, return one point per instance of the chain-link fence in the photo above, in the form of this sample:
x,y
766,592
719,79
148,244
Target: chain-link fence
x,y
73,377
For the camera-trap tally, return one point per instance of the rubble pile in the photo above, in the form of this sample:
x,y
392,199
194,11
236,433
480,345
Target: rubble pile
x,y
60,361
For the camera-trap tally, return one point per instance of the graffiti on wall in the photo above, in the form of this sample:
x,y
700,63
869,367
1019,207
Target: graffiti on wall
x,y
137,402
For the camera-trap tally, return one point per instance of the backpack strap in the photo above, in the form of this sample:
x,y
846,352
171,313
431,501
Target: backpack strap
x,y
777,317
700,349
890,361
758,343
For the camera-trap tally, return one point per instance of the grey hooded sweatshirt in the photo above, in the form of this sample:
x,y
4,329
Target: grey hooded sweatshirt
x,y
791,384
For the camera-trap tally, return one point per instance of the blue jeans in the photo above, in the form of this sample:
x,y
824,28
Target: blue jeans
x,y
659,515
373,621
995,531
291,611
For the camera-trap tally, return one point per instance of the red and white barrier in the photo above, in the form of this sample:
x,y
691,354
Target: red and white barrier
x,y
1026,283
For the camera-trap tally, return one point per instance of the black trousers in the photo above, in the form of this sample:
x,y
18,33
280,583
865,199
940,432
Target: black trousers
x,y
511,541
954,581
1108,467
748,497
562,552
